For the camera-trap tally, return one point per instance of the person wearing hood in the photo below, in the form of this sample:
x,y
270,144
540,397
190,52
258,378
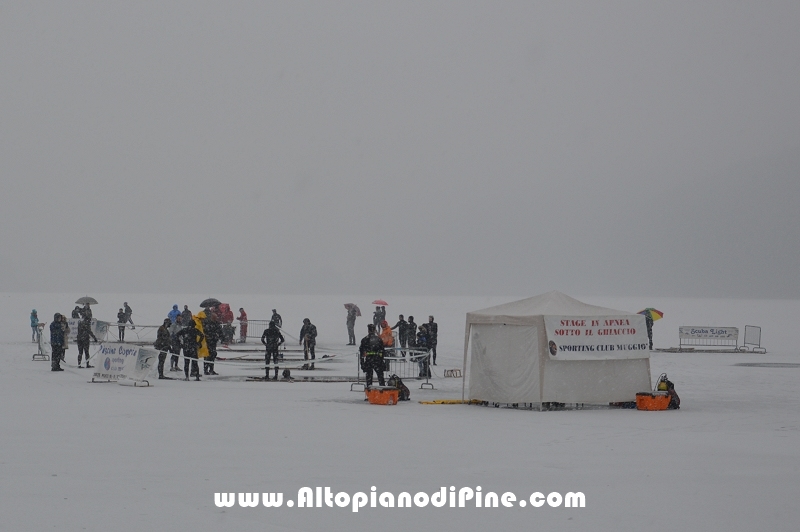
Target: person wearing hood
x,y
387,338
272,340
84,333
213,332
191,340
86,311
308,337
173,314
163,343
76,312
34,326
202,351
56,342
242,326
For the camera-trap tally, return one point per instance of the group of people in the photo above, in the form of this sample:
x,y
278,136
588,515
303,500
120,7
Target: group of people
x,y
59,337
410,336
197,335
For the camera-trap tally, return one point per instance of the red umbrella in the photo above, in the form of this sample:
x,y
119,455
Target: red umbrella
x,y
379,302
348,306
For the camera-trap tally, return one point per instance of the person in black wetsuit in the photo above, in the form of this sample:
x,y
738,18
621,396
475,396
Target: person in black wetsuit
x,y
272,340
213,332
371,353
163,343
84,333
191,340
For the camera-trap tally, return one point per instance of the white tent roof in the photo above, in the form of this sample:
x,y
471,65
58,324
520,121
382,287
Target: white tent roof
x,y
550,304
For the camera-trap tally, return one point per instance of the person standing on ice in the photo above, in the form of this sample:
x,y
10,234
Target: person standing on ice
x,y
376,317
371,353
648,321
277,319
173,314
187,315
174,329
351,325
272,340
34,326
84,333
402,333
242,319
411,332
191,340
163,343
308,337
433,337
121,324
128,314
56,343
213,332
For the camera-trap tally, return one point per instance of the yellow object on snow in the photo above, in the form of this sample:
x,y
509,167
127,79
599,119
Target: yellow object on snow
x,y
451,402
202,351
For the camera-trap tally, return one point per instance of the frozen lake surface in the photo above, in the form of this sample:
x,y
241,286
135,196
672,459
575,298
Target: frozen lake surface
x,y
83,456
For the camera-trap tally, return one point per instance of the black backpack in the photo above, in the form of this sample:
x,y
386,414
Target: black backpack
x,y
397,382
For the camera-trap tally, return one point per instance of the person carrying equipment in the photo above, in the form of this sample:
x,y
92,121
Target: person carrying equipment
x,y
272,340
308,337
371,353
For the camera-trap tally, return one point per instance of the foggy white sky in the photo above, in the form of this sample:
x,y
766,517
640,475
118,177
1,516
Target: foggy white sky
x,y
614,148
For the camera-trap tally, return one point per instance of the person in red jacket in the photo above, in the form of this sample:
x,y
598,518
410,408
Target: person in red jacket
x,y
242,326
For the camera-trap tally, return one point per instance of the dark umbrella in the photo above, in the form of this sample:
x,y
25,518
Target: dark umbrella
x,y
86,300
348,306
210,302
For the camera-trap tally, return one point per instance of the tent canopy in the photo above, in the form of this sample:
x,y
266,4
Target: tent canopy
x,y
510,362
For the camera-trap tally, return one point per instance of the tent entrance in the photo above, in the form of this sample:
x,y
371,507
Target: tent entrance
x,y
504,363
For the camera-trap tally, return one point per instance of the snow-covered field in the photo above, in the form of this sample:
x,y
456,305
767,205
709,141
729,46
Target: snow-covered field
x,y
82,456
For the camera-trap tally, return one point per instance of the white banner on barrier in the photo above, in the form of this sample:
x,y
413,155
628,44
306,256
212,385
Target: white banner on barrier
x,y
99,328
120,361
692,332
596,337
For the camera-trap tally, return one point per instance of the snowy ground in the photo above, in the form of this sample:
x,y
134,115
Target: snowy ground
x,y
81,456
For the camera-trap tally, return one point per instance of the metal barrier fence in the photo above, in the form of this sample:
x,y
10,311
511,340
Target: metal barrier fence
x,y
414,366
255,328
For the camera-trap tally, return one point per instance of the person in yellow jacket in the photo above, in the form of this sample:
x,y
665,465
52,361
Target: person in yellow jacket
x,y
202,351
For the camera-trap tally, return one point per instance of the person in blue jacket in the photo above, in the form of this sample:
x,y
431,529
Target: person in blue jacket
x,y
34,326
173,314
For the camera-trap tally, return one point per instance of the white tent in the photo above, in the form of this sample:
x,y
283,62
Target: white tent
x,y
553,348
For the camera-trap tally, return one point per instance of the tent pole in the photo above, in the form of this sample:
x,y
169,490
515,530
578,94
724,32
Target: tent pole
x,y
464,363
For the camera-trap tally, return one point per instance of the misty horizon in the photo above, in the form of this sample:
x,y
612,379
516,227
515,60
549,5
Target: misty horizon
x,y
452,148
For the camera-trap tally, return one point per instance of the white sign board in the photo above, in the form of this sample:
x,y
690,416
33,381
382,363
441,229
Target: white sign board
x,y
123,361
99,328
596,337
692,332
